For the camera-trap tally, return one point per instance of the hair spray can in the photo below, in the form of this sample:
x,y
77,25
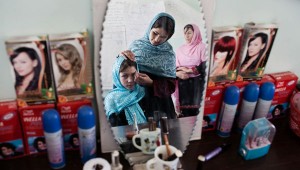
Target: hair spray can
x,y
248,105
87,133
228,111
266,94
54,138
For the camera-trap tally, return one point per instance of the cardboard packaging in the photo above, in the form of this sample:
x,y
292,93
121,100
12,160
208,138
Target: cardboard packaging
x,y
212,106
257,43
68,114
285,84
71,64
11,138
31,121
225,51
31,69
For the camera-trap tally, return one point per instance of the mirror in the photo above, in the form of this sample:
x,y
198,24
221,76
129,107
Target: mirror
x,y
126,21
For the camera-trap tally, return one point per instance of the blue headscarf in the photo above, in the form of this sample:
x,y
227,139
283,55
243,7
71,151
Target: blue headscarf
x,y
158,60
121,98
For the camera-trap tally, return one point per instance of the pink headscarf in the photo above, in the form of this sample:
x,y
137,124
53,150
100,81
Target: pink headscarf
x,y
191,54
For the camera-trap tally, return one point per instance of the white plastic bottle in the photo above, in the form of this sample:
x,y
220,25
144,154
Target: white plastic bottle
x,y
266,94
115,161
228,111
87,133
54,138
250,96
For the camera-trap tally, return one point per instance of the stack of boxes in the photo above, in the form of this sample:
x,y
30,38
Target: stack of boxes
x,y
21,120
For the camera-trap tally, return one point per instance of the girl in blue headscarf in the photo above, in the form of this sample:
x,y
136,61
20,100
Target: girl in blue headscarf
x,y
121,103
157,64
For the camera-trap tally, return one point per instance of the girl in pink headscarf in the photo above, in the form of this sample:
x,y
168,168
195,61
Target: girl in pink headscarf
x,y
190,72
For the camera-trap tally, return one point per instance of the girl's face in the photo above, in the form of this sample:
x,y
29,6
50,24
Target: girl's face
x,y
220,57
41,145
76,141
63,63
158,36
255,46
7,151
127,78
188,35
23,64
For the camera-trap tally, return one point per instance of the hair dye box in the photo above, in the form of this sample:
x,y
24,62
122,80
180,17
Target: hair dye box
x,y
71,64
285,84
225,52
31,121
212,106
256,47
31,70
68,112
11,138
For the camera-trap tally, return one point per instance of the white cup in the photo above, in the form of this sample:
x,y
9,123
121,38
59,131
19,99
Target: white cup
x,y
157,163
150,140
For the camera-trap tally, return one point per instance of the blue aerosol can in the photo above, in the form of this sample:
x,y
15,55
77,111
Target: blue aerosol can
x,y
87,133
228,111
54,138
266,94
250,97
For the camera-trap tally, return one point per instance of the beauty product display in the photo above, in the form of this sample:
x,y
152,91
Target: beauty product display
x,y
54,138
250,97
226,42
30,63
256,47
266,94
87,133
228,111
257,137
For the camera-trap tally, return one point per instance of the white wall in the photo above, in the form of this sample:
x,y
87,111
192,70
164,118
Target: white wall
x,y
285,51
31,17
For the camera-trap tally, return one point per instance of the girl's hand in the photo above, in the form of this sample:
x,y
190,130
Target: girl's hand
x,y
182,75
143,79
128,54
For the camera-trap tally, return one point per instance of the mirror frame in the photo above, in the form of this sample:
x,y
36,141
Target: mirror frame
x,y
106,135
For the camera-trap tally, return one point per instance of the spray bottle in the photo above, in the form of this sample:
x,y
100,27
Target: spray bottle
x,y
266,94
250,97
86,133
228,111
54,138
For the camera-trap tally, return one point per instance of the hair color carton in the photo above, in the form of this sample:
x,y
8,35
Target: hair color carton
x,y
68,112
212,106
11,138
256,47
31,121
224,55
71,64
285,84
30,61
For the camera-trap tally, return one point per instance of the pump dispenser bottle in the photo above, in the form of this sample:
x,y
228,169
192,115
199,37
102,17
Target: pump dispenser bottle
x,y
86,133
54,138
266,94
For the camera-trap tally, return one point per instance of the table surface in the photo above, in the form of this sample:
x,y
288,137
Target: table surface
x,y
283,154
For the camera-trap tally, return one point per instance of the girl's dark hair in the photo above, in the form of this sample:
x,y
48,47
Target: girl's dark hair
x,y
264,40
166,23
71,140
35,143
188,26
33,85
279,107
225,44
127,63
7,145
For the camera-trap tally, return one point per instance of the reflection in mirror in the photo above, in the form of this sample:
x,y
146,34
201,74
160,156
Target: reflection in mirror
x,y
159,36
